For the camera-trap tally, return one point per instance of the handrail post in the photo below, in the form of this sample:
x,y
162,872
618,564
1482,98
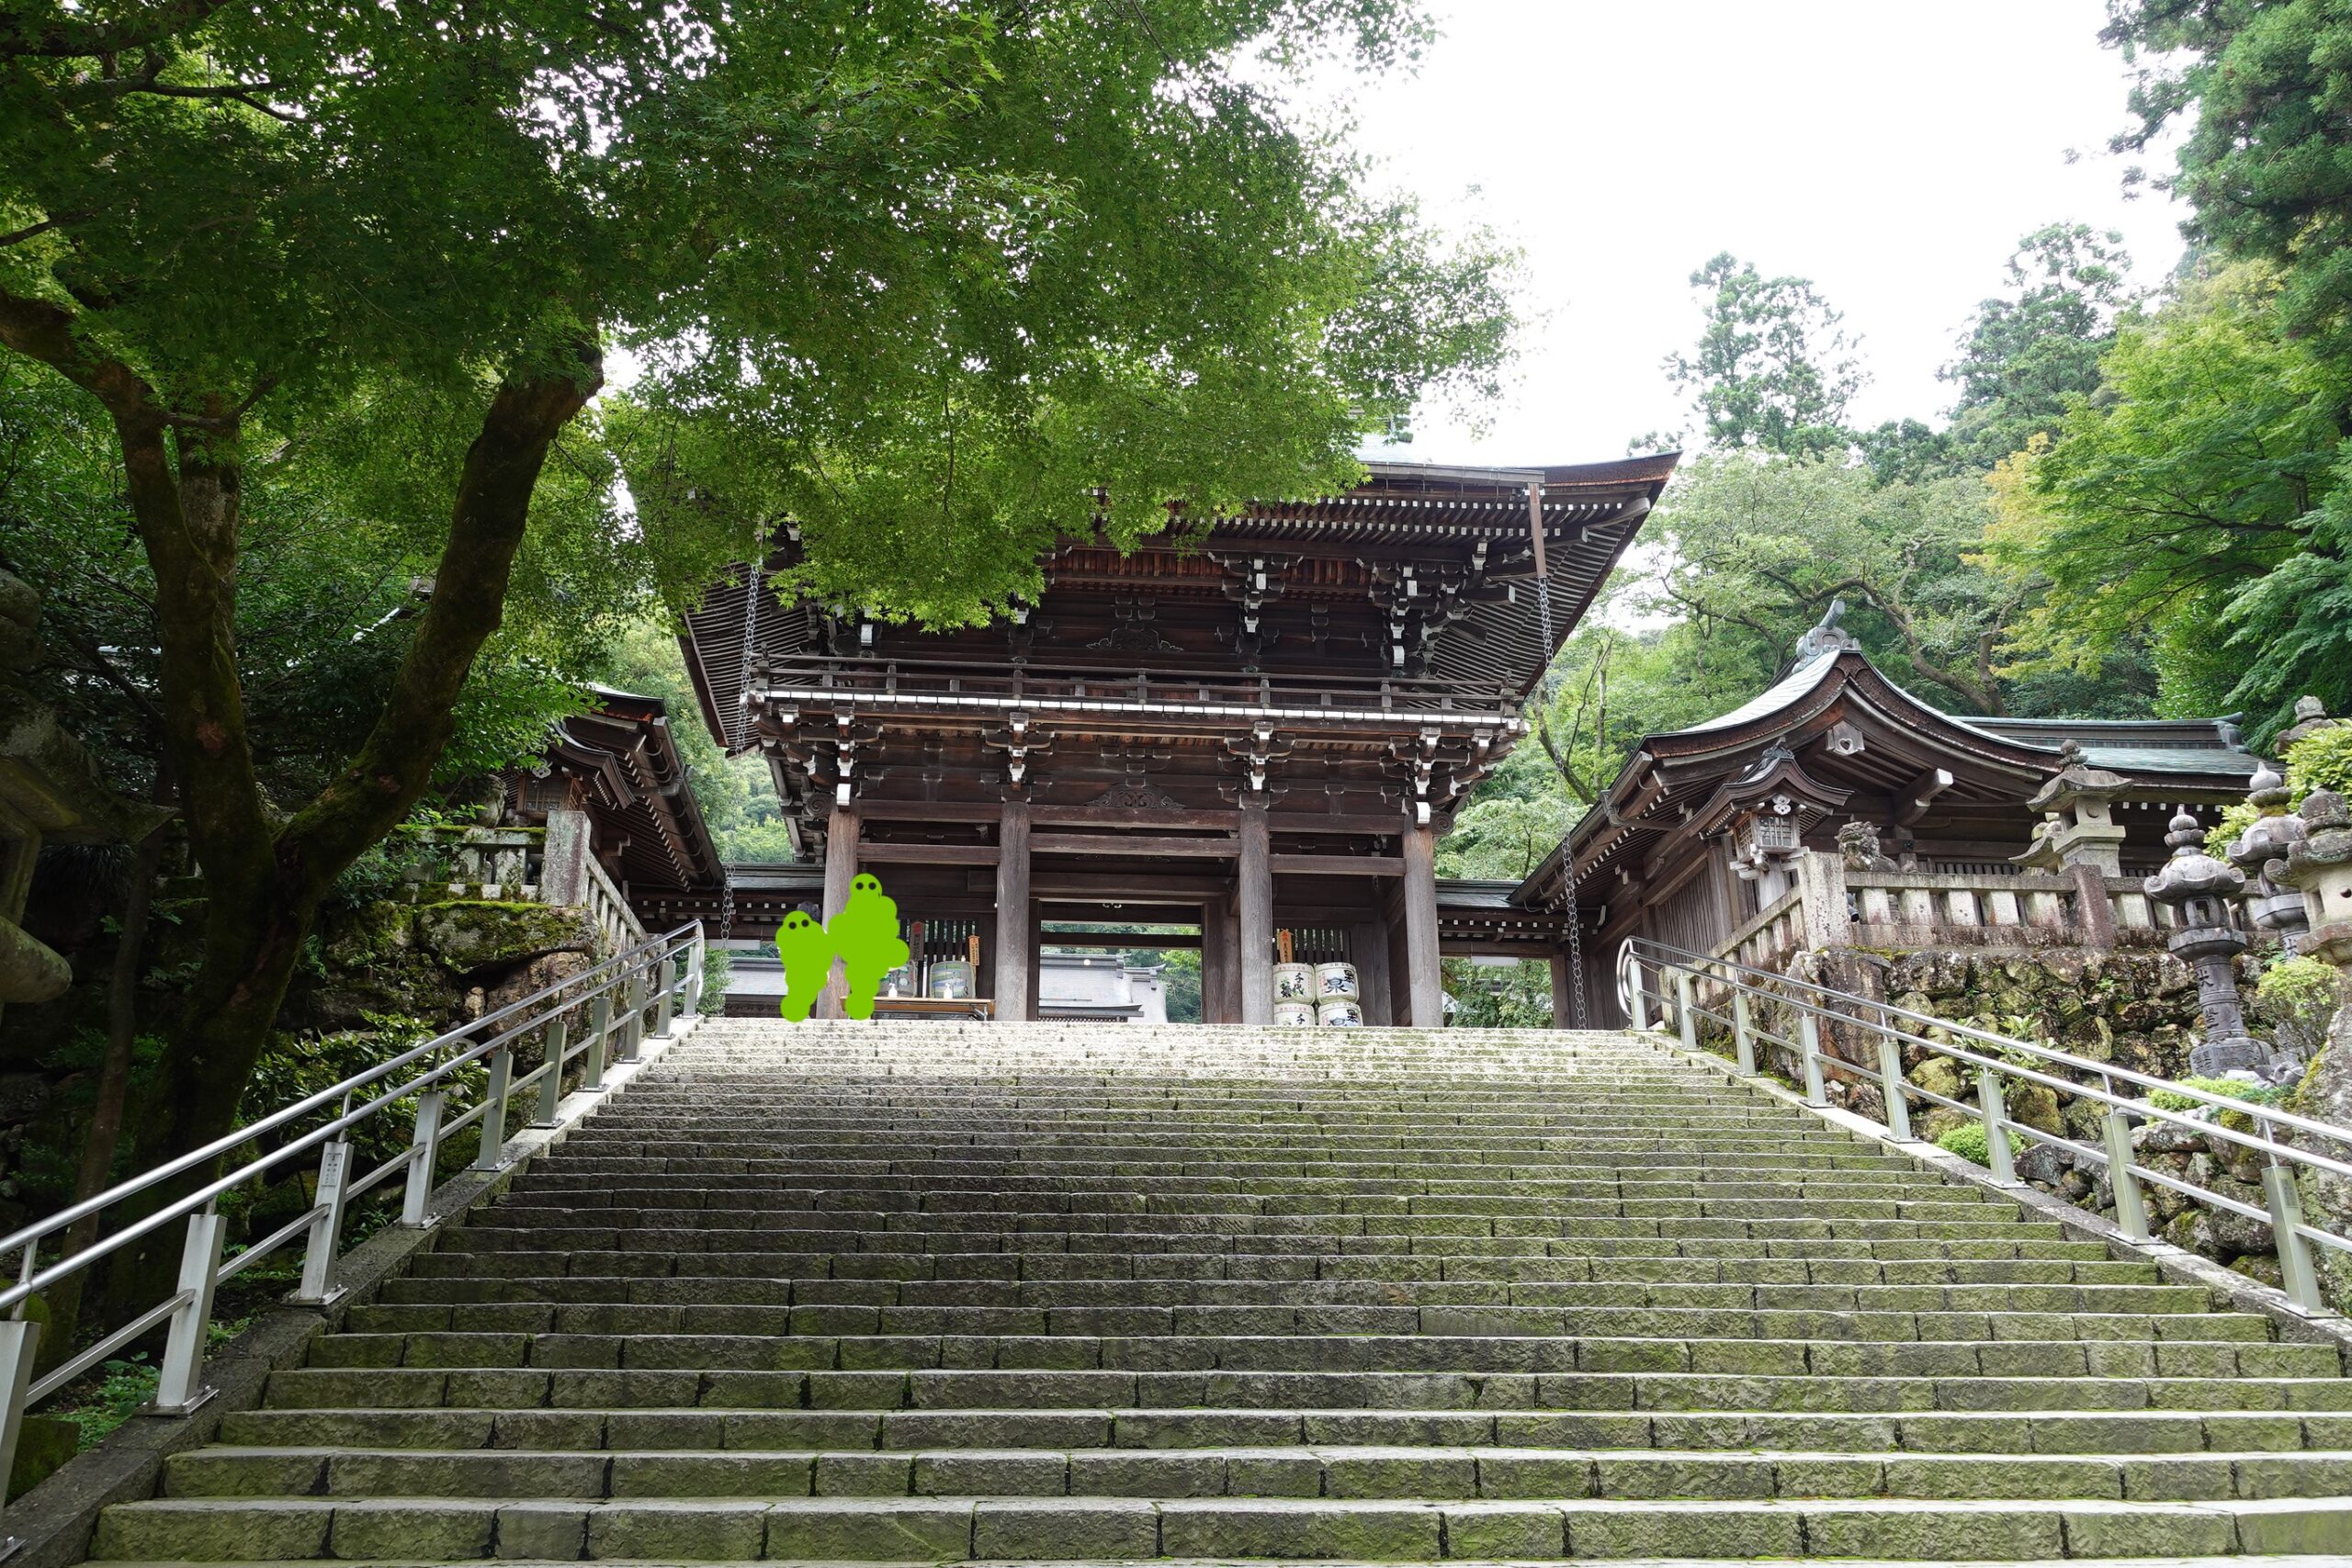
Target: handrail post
x,y
490,1155
1743,1027
2130,1206
600,1025
20,1347
423,1150
1637,1011
692,1002
2296,1273
632,1026
1997,1128
19,1342
667,982
1809,1039
552,1086
318,1288
1890,1086
1686,1016
180,1388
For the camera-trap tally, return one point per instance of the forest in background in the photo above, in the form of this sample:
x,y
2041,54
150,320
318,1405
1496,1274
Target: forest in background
x,y
2134,505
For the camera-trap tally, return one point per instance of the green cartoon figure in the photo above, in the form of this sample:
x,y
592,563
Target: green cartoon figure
x,y
865,933
807,950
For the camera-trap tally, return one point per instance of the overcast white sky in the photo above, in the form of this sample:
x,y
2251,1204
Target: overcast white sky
x,y
1892,151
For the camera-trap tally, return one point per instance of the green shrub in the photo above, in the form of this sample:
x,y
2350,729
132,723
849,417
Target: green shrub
x,y
2237,817
1968,1141
2321,759
2298,998
2253,1094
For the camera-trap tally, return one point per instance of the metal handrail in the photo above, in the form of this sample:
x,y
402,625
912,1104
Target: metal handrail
x,y
2007,1061
660,976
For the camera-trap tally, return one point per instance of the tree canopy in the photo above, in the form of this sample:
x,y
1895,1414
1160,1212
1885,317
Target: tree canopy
x,y
935,284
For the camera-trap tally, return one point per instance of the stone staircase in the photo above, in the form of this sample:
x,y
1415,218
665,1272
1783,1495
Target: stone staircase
x,y
929,1292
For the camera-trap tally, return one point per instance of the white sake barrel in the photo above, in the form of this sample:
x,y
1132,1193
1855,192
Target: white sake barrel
x,y
1294,983
1340,1012
951,980
1294,1015
1334,980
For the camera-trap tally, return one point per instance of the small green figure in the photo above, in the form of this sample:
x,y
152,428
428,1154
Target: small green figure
x,y
807,950
866,935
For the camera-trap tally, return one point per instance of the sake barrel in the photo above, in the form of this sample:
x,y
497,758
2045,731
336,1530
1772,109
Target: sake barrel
x,y
1294,1015
1334,980
1294,983
951,980
1340,1012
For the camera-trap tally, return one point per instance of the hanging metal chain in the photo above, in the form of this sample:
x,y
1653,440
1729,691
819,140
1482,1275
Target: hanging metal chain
x,y
743,706
1577,1008
751,626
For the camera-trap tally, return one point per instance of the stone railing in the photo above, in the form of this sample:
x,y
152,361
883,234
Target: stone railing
x,y
475,863
1833,905
616,921
1769,935
543,866
1953,909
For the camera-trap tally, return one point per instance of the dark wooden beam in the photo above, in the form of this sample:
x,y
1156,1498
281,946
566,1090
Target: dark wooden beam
x,y
1154,845
1135,940
1338,865
872,853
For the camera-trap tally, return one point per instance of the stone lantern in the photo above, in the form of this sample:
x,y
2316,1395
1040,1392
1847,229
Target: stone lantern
x,y
2078,825
2270,906
2202,890
2320,867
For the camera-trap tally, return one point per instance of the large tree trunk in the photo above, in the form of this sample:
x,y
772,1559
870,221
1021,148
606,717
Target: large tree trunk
x,y
104,1135
263,882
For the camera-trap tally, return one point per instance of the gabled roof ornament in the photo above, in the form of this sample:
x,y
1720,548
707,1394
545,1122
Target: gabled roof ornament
x,y
1827,638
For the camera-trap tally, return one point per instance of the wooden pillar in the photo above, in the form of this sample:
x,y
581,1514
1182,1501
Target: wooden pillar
x,y
1368,951
840,866
1254,907
1016,932
1563,995
1424,988
1219,1002
1035,923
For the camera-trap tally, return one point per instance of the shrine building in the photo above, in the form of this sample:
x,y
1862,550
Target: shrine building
x,y
1258,723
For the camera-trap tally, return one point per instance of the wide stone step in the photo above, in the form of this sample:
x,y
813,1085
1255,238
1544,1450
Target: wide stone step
x,y
1079,1529
1969,1432
893,1389
370,1328
916,1279
1345,1347
1431,1472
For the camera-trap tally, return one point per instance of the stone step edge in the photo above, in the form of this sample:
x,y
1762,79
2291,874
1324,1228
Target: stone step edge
x,y
1256,1528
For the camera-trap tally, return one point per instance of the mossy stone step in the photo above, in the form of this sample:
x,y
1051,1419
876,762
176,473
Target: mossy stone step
x,y
1057,1293
1080,1529
1432,1472
1977,1432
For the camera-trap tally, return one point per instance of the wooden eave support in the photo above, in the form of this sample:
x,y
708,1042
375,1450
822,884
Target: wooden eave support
x,y
1920,794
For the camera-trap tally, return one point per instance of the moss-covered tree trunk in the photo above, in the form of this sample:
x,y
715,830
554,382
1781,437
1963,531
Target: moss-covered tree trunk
x,y
264,878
